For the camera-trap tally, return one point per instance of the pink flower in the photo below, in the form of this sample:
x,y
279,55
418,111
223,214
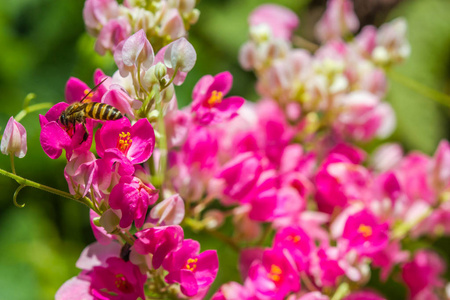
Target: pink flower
x,y
275,276
55,138
96,13
193,271
340,182
297,242
281,20
117,280
134,143
441,166
14,139
363,116
132,197
239,177
73,289
114,32
338,20
326,267
133,54
208,105
310,296
80,172
233,291
158,241
365,234
364,295
93,255
423,272
387,258
170,211
180,55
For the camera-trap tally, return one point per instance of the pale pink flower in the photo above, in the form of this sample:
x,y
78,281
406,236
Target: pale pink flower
x,y
338,20
281,20
14,139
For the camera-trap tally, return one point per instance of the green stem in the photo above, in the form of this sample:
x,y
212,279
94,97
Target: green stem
x,y
32,108
162,143
265,234
342,291
171,79
418,87
402,230
25,182
13,168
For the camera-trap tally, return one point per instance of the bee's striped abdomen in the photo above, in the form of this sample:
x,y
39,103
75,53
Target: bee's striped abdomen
x,y
102,111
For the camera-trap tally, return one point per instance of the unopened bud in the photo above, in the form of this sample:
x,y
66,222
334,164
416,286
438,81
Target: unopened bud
x,y
14,140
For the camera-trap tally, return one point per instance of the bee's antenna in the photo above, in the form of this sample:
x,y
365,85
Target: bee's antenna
x,y
94,88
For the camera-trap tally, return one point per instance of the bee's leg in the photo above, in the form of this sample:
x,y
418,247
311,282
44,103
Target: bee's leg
x,y
86,134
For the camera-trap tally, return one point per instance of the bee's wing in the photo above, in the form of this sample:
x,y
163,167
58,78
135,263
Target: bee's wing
x,y
77,107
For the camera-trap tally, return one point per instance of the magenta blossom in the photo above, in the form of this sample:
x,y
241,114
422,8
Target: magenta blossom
x,y
193,271
134,143
239,177
275,276
423,272
365,233
209,105
117,280
297,242
132,197
55,138
14,139
158,241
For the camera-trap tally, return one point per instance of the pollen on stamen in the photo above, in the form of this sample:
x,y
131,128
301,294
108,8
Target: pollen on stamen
x,y
88,98
365,230
275,273
216,98
294,238
124,142
191,264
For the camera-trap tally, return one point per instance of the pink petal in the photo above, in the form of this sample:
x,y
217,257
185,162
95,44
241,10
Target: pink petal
x,y
75,90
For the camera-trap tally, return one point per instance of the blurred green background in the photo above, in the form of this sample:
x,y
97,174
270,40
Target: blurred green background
x,y
43,43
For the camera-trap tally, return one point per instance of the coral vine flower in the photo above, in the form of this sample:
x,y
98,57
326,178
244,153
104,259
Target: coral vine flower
x,y
423,272
297,242
195,272
158,241
275,276
118,280
209,105
132,197
135,142
364,233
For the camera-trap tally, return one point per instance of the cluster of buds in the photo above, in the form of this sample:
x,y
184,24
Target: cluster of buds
x,y
163,21
313,214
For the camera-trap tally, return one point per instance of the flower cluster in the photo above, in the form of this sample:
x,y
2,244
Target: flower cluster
x,y
117,177
163,21
313,214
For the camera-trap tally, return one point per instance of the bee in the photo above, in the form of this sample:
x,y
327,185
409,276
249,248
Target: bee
x,y
78,112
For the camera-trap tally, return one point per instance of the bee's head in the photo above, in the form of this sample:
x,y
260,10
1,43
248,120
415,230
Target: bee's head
x,y
63,118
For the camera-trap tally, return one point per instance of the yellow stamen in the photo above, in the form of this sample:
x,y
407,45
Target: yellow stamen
x,y
293,238
216,98
191,264
365,230
275,273
124,142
